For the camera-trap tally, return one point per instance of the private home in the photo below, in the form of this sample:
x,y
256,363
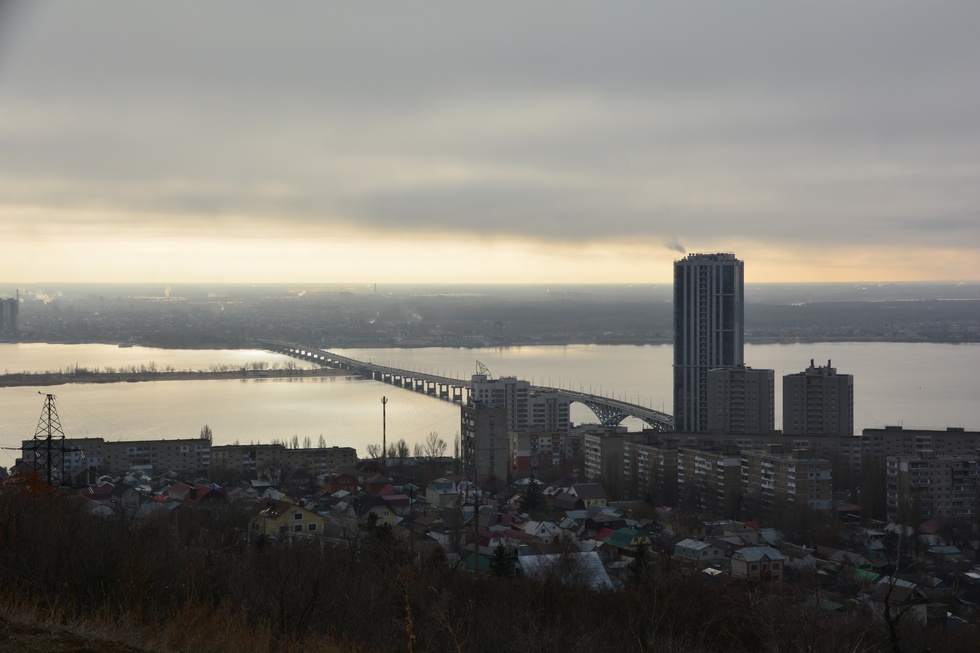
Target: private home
x,y
441,493
401,504
544,530
699,553
590,494
344,481
624,542
274,518
378,484
384,515
131,496
758,563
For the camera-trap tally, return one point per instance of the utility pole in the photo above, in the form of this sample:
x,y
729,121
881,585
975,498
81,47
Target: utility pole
x,y
384,432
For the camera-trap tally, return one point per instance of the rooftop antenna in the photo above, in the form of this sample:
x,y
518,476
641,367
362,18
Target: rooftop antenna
x,y
49,444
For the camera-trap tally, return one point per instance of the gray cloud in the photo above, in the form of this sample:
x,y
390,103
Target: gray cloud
x,y
823,124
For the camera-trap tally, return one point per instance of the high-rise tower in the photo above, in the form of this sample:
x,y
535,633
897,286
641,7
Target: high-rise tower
x,y
709,330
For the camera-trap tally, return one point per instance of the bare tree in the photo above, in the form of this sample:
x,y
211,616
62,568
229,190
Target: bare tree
x,y
433,446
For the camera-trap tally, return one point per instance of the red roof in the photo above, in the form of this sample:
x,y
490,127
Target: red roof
x,y
604,534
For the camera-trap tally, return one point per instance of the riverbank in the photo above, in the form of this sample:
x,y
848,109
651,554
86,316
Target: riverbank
x,y
83,376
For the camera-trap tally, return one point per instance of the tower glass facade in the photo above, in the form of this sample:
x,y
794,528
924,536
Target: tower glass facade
x,y
709,328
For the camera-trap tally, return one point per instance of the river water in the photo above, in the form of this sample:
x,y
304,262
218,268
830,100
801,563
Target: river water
x,y
916,385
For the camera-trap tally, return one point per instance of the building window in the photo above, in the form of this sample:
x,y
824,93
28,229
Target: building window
x,y
297,515
312,527
298,528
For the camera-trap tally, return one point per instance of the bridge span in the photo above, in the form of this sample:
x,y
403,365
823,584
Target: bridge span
x,y
610,412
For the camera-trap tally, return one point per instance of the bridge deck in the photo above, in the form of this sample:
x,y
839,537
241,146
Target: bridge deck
x,y
609,411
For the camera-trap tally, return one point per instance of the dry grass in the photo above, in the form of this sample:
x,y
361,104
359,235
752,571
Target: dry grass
x,y
27,627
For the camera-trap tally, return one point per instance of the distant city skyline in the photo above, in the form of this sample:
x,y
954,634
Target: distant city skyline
x,y
523,142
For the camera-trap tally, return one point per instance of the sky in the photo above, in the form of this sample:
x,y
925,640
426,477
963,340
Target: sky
x,y
503,142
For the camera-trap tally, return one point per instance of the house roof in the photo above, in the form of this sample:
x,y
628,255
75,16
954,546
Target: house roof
x,y
623,537
578,566
589,491
694,545
757,553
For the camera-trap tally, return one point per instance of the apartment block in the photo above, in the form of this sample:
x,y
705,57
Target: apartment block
x,y
650,469
251,460
798,478
710,480
185,457
927,485
818,401
536,453
485,441
741,400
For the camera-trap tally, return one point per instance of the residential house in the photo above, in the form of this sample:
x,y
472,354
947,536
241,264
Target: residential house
x,y
376,484
698,552
384,515
624,542
441,492
275,518
343,481
591,494
758,563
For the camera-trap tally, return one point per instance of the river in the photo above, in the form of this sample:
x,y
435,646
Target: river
x,y
916,385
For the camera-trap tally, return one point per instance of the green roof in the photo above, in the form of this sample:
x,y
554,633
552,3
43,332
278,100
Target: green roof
x,y
622,538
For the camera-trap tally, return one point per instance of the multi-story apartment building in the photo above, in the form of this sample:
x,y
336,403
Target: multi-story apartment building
x,y
252,460
926,486
548,411
508,393
708,331
8,315
536,453
484,441
710,480
527,410
650,469
818,401
603,457
186,457
741,400
798,478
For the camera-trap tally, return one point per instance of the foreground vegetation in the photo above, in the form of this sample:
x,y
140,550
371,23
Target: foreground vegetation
x,y
192,582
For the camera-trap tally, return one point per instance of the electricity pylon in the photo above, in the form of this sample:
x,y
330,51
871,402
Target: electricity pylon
x,y
49,445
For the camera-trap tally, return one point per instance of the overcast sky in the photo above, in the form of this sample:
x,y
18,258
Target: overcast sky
x,y
488,142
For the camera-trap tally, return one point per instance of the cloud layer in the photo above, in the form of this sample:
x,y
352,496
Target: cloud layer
x,y
831,131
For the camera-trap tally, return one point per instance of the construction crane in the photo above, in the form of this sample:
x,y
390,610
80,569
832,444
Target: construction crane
x,y
483,369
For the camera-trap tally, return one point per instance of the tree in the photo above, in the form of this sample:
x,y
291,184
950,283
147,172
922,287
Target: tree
x,y
533,496
500,563
401,452
374,451
433,446
206,433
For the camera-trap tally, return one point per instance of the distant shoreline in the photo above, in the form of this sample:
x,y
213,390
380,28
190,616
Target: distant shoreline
x,y
58,378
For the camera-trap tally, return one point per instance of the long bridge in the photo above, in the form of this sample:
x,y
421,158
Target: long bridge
x,y
610,412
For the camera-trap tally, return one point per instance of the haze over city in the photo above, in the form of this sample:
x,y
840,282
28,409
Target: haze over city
x,y
511,142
